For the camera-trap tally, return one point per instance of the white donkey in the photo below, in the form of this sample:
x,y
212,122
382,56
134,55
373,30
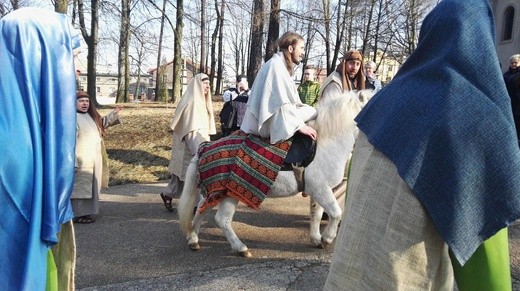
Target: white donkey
x,y
337,131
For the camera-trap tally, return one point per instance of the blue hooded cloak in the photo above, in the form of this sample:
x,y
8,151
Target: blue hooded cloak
x,y
445,121
37,130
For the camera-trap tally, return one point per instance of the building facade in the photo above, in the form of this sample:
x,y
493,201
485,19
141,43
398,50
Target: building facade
x,y
188,70
106,86
387,65
507,28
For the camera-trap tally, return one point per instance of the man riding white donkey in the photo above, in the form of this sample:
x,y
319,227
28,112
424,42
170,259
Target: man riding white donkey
x,y
245,166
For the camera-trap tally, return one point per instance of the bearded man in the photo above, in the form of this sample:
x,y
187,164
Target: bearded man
x,y
274,109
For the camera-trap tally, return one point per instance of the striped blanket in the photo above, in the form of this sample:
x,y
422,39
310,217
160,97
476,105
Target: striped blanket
x,y
241,166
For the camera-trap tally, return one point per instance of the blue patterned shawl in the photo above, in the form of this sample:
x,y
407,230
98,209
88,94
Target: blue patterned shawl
x,y
446,123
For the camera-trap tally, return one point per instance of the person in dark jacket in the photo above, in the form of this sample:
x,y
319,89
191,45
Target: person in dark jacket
x,y
512,79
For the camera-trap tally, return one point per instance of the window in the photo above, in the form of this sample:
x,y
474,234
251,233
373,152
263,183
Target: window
x,y
98,89
509,18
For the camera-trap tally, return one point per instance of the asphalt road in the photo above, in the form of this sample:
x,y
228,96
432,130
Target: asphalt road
x,y
136,244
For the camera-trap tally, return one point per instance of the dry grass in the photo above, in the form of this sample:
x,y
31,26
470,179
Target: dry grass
x,y
139,149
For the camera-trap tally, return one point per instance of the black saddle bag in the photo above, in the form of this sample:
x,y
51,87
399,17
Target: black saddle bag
x,y
301,153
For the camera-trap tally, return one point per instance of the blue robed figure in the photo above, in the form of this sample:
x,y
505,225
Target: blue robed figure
x,y
37,140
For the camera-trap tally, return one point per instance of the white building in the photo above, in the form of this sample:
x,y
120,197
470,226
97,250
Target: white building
x,y
106,87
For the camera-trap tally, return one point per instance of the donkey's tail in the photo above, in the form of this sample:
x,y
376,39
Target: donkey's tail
x,y
188,199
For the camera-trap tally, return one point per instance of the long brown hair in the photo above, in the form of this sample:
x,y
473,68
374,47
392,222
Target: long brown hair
x,y
287,39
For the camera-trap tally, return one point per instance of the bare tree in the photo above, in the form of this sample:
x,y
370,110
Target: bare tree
x,y
91,40
122,59
367,25
274,29
404,26
220,68
379,28
15,4
326,37
61,6
238,40
202,36
217,49
159,91
177,59
141,49
340,28
257,33
213,47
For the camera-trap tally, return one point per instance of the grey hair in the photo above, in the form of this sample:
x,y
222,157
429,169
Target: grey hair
x,y
372,65
515,58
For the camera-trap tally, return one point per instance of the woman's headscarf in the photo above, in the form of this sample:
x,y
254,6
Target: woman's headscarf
x,y
195,109
445,121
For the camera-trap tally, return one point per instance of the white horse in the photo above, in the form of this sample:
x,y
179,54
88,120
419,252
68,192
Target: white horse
x,y
337,131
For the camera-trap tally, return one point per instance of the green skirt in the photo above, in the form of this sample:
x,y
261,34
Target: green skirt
x,y
488,268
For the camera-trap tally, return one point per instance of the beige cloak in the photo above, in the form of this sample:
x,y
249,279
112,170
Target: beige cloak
x,y
192,123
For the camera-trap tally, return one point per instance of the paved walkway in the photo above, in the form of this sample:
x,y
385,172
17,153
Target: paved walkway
x,y
136,244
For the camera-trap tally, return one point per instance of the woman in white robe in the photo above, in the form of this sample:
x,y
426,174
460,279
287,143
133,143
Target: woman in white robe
x,y
192,123
90,164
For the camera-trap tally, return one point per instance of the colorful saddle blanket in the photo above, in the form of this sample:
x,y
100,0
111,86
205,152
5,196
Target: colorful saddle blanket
x,y
241,166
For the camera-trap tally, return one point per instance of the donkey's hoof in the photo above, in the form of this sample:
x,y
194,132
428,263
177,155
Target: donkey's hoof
x,y
245,254
325,245
194,246
316,243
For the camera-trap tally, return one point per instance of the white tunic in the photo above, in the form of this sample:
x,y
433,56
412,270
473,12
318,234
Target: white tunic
x,y
274,108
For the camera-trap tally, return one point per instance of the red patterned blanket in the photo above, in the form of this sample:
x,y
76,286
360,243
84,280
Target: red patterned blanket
x,y
241,166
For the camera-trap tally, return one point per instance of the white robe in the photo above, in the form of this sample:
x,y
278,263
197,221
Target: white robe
x,y
274,108
89,163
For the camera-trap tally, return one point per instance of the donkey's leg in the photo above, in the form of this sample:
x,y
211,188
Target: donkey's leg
x,y
323,195
193,236
331,230
316,212
223,218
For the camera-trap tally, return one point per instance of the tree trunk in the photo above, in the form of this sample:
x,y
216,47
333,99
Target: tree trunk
x,y
15,4
339,36
177,60
61,6
367,27
213,49
202,35
257,29
158,92
220,68
122,60
326,17
91,41
274,29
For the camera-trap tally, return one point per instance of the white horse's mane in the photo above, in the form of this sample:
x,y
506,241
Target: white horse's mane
x,y
336,113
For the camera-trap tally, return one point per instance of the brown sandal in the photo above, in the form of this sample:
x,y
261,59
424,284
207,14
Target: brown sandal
x,y
167,202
